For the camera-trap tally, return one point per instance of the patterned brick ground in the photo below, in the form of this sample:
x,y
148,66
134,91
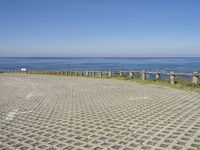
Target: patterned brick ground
x,y
52,112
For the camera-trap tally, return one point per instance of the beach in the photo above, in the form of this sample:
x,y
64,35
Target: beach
x,y
59,112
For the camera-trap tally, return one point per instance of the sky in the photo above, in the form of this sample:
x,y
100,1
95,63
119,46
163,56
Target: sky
x,y
99,28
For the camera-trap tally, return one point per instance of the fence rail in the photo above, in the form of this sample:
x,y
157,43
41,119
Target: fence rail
x,y
195,76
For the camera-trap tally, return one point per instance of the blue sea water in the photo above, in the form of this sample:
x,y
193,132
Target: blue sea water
x,y
102,63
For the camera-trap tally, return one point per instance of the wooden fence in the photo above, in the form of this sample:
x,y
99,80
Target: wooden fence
x,y
64,73
172,75
195,76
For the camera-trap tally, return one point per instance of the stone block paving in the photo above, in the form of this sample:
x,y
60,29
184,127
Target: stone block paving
x,y
54,112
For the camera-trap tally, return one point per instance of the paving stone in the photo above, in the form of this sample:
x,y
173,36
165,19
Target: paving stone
x,y
56,112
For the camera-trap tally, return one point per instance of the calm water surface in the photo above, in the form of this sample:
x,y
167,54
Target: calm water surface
x,y
93,63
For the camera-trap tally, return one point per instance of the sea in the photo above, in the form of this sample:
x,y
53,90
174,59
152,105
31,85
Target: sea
x,y
165,64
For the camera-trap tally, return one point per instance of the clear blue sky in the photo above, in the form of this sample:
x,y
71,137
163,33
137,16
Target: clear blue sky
x,y
99,28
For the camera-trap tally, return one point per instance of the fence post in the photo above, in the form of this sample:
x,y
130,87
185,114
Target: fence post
x,y
158,75
110,73
120,73
93,74
144,75
131,74
101,74
195,78
87,73
172,77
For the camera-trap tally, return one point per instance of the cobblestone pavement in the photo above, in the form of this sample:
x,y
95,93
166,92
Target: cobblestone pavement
x,y
55,112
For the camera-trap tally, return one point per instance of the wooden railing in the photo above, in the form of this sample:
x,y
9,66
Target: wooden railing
x,y
172,75
66,73
195,76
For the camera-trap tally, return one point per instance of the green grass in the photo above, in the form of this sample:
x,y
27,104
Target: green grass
x,y
179,84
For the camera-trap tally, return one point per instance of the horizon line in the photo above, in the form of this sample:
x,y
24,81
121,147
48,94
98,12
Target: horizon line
x,y
99,56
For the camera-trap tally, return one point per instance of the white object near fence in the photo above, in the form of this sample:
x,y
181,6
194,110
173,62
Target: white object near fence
x,y
23,69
